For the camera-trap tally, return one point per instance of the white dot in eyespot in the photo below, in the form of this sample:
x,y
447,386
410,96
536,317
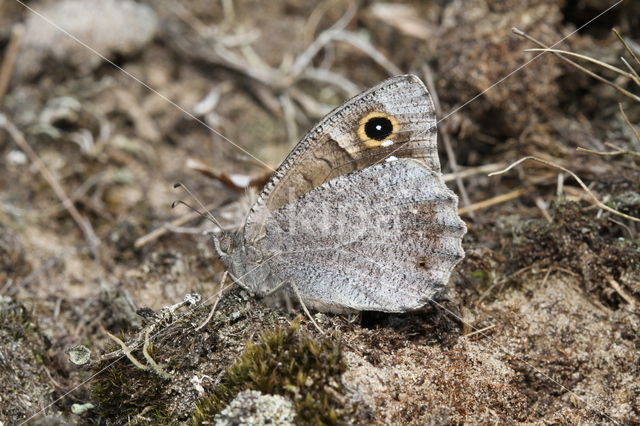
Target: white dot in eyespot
x,y
241,181
387,142
378,127
391,158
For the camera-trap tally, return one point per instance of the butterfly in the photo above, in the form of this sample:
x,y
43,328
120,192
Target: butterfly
x,y
357,217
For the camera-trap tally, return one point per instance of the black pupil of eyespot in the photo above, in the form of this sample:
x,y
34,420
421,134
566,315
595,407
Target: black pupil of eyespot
x,y
378,128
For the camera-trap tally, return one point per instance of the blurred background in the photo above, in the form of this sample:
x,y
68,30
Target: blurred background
x,y
105,104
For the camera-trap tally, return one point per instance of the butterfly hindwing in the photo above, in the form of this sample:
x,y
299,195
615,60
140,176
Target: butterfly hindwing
x,y
383,238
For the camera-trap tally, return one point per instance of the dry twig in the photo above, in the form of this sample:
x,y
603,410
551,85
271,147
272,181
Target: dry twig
x,y
324,38
616,151
542,206
126,350
618,289
598,62
628,48
289,112
237,182
472,171
447,143
492,201
9,60
372,52
326,76
631,126
215,303
595,200
578,66
82,222
479,331
154,366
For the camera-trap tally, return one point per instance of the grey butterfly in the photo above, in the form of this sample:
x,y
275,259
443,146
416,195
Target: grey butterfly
x,y
357,217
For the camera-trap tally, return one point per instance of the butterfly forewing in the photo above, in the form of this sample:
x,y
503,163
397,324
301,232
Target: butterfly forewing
x,y
395,118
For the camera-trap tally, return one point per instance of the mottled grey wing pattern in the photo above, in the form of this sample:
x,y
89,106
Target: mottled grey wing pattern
x,y
384,238
338,144
348,228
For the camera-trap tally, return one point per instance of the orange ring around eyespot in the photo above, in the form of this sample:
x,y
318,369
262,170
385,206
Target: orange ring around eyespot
x,y
372,143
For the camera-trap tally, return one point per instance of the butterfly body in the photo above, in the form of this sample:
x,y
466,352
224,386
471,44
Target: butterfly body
x,y
357,217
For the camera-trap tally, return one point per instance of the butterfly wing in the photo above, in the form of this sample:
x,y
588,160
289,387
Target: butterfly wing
x,y
396,117
384,238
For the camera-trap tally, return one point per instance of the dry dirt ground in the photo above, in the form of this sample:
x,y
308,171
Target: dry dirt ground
x,y
542,322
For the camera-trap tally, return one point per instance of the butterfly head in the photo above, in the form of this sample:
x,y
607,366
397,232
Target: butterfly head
x,y
226,243
242,261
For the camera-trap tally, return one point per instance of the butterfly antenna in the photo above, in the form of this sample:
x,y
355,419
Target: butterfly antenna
x,y
190,207
207,214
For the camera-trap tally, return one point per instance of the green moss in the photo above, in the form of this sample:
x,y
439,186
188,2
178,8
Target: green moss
x,y
290,363
19,325
121,391
481,275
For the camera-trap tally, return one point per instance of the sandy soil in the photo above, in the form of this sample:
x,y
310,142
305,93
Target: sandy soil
x,y
541,323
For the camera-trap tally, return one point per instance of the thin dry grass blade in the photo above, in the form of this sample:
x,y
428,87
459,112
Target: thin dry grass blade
x,y
631,70
620,89
588,59
631,126
580,182
631,52
502,198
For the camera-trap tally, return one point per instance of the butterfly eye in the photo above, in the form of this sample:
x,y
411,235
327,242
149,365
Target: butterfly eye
x,y
377,129
222,243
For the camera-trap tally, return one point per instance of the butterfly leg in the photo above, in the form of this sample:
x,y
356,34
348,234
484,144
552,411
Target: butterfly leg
x,y
240,283
304,307
275,289
287,299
